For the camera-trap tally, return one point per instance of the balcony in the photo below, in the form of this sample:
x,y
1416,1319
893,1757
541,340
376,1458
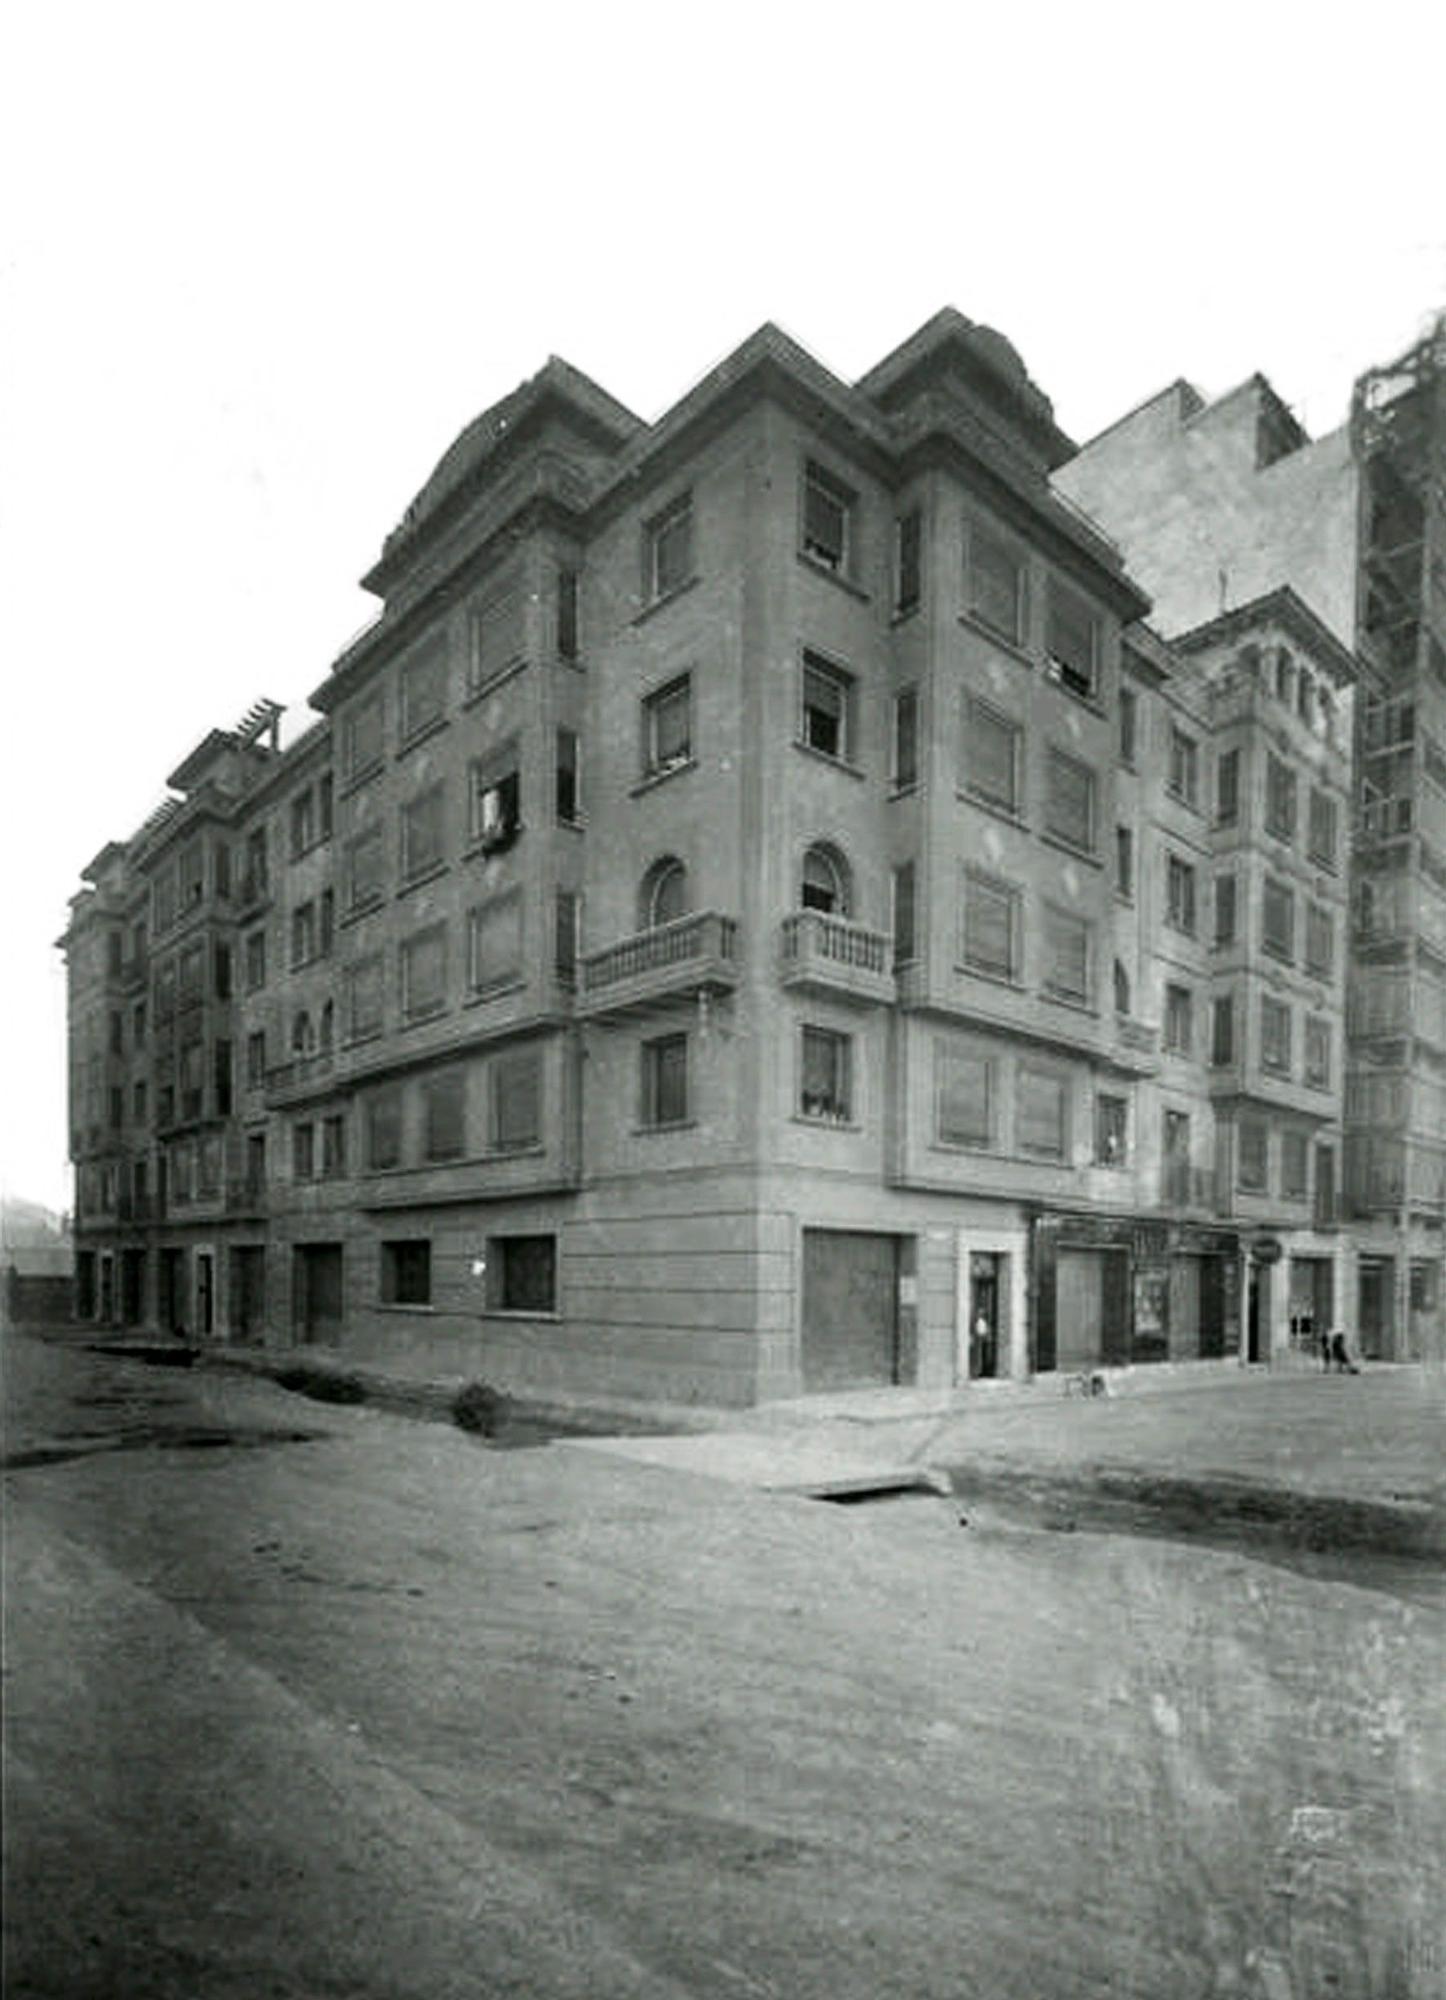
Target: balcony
x,y
826,954
246,1197
695,954
290,1082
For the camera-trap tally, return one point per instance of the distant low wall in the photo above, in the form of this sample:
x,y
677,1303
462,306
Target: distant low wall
x,y
47,1298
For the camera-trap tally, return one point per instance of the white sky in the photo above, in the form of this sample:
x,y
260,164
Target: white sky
x,y
259,265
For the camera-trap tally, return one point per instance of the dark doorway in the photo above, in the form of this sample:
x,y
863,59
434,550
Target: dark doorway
x,y
205,1294
986,1296
133,1287
1212,1308
1377,1308
1257,1320
171,1303
850,1309
248,1292
85,1284
318,1297
1092,1308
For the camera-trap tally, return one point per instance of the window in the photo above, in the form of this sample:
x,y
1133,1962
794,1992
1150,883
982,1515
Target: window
x,y
991,926
494,943
663,897
1129,722
667,717
668,549
324,805
1317,1051
1274,1035
328,1026
221,1077
422,834
407,1273
1252,1167
333,1146
253,881
1180,895
1183,782
992,755
1111,1114
1279,798
516,1102
565,910
364,870
1125,862
568,802
1322,830
364,999
1319,941
303,934
828,699
567,613
138,1101
903,907
384,1128
496,635
1222,1031
303,823
1225,911
825,883
1277,920
193,874
301,1036
663,1097
1067,948
1122,989
995,585
826,1082
908,562
326,923
1175,1157
117,1034
117,1109
1073,639
362,738
828,520
522,1274
303,1152
424,689
221,971
1294,1165
1042,1114
1179,1020
1284,677
1069,810
906,739
444,1116
424,973
1227,788
964,1092
494,800
193,976
138,1024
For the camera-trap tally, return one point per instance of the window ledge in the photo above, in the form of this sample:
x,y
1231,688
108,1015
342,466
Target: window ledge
x,y
1091,701
673,1125
357,779
669,597
844,582
481,850
823,757
1068,847
904,788
967,795
816,1124
576,824
396,1306
421,878
901,615
422,735
420,1020
1007,980
360,1041
521,1312
1013,647
497,989
652,779
1070,1000
494,681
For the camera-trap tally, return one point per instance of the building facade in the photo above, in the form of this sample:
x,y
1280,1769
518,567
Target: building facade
x,y
1219,504
745,921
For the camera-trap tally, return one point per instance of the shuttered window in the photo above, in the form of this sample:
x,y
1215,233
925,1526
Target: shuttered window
x,y
992,755
424,688
497,634
991,926
996,584
1070,800
516,1102
1067,954
1041,1114
964,1097
424,973
444,1101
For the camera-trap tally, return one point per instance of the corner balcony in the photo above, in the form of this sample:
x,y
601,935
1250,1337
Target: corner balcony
x,y
694,954
825,954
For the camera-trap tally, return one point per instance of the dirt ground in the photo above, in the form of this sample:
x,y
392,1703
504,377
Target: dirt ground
x,y
303,1701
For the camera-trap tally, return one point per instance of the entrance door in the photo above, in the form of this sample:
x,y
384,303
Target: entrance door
x,y
248,1291
850,1309
172,1298
986,1289
1212,1307
133,1286
1092,1308
1377,1307
205,1293
319,1292
1257,1325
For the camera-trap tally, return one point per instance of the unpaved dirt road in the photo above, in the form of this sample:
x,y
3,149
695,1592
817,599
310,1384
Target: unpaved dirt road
x,y
306,1702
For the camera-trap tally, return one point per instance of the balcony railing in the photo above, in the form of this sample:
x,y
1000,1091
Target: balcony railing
x,y
831,954
697,953
296,1078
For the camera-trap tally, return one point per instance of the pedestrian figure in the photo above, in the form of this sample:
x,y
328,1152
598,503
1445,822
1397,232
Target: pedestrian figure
x,y
1340,1356
1325,1351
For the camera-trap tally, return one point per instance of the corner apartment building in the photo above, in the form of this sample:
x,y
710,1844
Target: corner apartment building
x,y
1218,505
739,927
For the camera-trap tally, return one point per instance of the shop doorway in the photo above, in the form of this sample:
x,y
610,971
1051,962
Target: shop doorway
x,y
988,1290
1376,1331
1092,1309
248,1292
850,1309
1312,1303
318,1294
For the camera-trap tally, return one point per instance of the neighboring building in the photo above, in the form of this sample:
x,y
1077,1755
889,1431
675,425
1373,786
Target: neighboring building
x,y
1217,505
741,927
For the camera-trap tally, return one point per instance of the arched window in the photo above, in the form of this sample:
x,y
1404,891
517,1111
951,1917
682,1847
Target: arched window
x,y
825,883
1122,989
663,897
301,1034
